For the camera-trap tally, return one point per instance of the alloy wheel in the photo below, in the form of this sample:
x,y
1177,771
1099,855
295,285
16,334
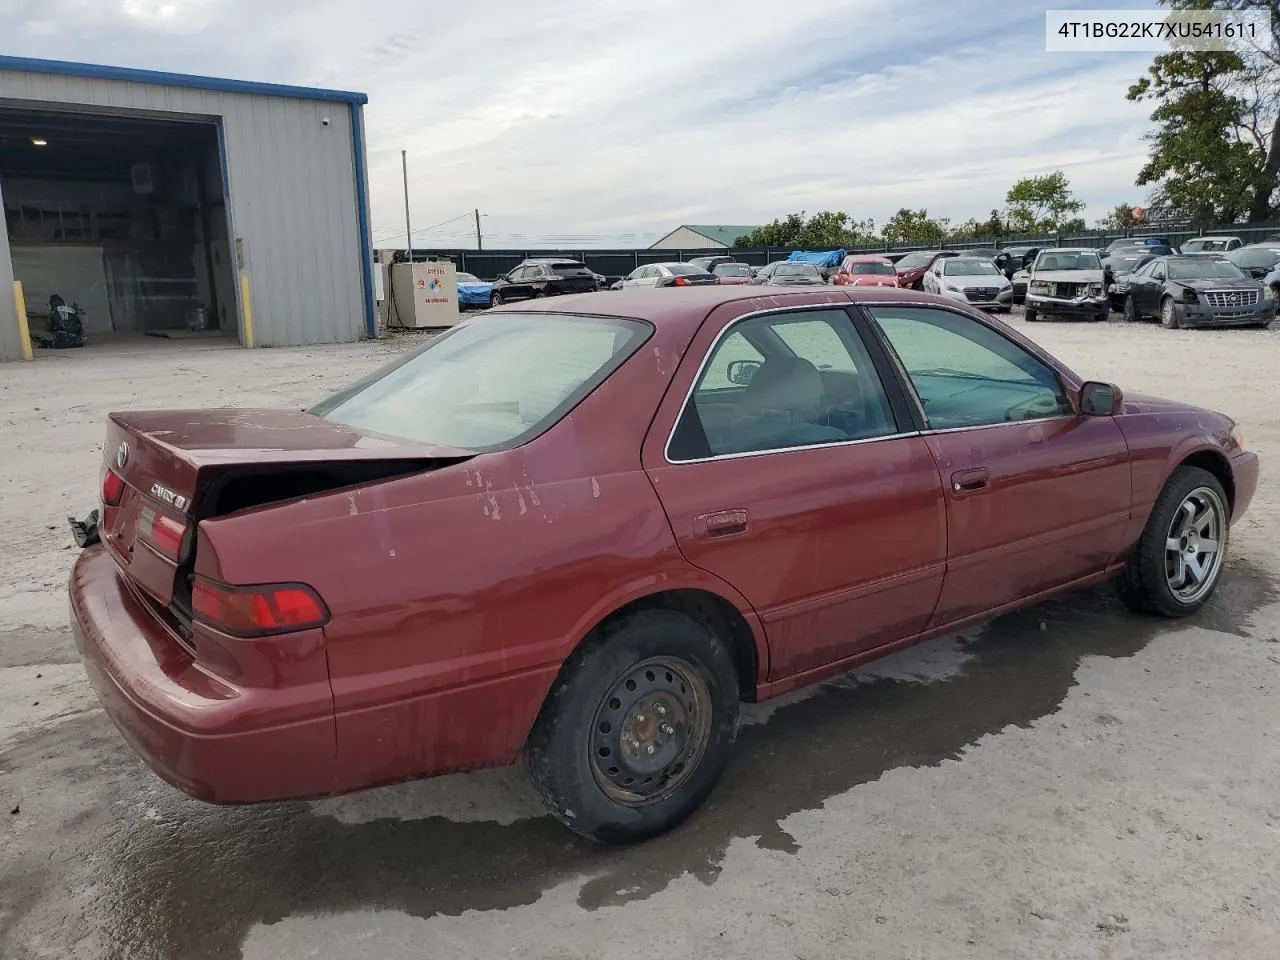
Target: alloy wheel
x,y
1194,545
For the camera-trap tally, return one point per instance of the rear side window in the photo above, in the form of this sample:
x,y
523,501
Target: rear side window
x,y
685,270
780,382
568,269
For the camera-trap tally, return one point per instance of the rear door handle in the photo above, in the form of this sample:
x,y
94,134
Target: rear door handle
x,y
723,523
969,481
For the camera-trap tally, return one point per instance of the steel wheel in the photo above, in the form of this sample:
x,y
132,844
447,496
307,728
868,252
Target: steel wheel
x,y
1193,547
650,731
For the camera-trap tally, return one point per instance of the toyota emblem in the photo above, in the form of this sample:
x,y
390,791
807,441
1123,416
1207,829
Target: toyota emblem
x,y
122,454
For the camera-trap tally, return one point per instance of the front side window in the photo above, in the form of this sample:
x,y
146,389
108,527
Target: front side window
x,y
489,386
965,373
780,381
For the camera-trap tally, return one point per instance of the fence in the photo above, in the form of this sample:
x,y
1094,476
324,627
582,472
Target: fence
x,y
613,264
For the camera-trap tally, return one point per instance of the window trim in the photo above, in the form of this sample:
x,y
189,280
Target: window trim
x,y
841,308
1067,387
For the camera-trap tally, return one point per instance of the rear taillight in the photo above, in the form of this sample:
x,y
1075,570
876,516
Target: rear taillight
x,y
256,611
163,533
681,282
112,488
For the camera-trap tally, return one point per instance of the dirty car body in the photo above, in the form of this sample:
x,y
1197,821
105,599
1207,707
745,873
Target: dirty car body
x,y
479,551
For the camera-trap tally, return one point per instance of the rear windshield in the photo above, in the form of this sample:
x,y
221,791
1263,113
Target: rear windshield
x,y
795,270
915,260
685,269
468,278
1203,270
491,385
880,268
735,270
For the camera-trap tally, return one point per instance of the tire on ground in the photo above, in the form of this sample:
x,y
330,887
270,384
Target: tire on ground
x,y
1143,584
560,752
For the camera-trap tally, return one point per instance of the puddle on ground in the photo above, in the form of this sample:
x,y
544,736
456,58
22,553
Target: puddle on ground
x,y
195,888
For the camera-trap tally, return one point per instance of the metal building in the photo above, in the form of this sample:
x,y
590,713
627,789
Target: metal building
x,y
163,203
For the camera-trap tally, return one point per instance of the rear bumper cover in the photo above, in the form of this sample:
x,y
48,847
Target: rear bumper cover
x,y
212,739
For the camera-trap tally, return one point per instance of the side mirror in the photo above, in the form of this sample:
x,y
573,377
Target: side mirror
x,y
1100,399
741,372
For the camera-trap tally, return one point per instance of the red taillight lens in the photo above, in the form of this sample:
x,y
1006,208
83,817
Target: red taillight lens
x,y
256,611
163,533
112,488
681,282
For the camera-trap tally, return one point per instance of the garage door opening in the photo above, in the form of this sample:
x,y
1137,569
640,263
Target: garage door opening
x,y
122,216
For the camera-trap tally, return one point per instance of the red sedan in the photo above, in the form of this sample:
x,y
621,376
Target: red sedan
x,y
585,529
866,270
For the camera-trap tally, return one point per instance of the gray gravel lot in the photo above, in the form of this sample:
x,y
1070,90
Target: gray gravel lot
x,y
1067,782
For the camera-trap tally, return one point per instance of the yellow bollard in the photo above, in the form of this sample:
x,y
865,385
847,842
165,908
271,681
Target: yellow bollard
x,y
248,310
24,331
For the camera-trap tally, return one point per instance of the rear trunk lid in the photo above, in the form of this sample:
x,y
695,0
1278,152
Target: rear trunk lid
x,y
181,467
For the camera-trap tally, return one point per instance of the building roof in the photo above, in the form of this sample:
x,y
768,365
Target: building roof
x,y
716,234
218,84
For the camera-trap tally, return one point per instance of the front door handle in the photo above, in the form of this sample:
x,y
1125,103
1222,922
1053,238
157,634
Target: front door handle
x,y
969,481
723,523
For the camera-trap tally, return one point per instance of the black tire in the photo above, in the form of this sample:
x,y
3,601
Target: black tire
x,y
1169,314
1102,317
540,295
1129,310
495,299
1144,584
569,739
1031,315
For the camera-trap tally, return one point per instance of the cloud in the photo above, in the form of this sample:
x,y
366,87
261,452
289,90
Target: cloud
x,y
612,122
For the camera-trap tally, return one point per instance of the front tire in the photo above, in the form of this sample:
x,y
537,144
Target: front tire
x,y
1169,314
1031,315
1129,311
495,299
1177,562
1102,317
637,729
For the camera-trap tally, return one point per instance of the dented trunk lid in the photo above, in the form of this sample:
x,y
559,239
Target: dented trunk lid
x,y
173,463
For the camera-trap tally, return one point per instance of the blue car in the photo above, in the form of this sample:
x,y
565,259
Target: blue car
x,y
473,292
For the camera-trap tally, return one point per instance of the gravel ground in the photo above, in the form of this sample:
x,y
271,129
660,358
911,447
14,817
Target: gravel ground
x,y
1067,782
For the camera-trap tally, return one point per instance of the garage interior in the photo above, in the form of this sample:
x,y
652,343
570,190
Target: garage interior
x,y
123,216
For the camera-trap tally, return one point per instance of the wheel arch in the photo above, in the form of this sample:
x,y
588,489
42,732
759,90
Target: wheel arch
x,y
1215,462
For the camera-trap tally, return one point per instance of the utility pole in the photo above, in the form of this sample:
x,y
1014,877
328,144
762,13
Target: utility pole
x,y
408,234
479,239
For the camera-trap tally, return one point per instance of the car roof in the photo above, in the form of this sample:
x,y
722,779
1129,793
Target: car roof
x,y
1215,236
1069,250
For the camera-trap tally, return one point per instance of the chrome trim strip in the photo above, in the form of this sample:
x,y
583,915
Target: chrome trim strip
x,y
1002,423
807,446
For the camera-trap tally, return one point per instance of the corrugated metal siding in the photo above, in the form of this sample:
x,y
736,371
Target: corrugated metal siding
x,y
292,188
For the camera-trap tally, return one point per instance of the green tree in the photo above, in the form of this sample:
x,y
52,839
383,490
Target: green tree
x,y
1122,217
826,230
1215,151
974,229
914,226
1042,205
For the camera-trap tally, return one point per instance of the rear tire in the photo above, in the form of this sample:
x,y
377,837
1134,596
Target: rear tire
x,y
540,295
637,729
1150,581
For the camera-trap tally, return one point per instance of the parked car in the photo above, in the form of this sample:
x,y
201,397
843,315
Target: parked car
x,y
709,264
473,292
1140,242
1018,285
1198,291
787,273
974,280
827,261
912,268
732,273
1211,245
1258,260
534,279
866,270
527,537
1117,266
1015,258
1067,282
668,275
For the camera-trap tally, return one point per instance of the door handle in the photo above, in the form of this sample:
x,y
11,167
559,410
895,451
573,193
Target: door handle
x,y
723,523
968,481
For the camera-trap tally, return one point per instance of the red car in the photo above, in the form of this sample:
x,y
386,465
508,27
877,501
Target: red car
x,y
732,273
863,270
912,268
584,529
